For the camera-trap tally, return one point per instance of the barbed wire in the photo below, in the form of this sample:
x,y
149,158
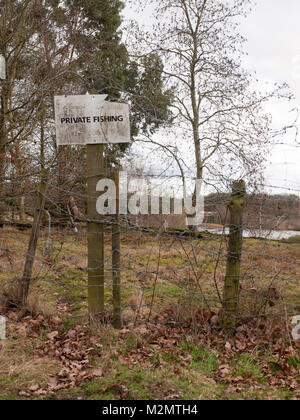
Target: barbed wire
x,y
162,268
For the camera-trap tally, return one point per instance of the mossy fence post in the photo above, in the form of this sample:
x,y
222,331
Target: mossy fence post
x,y
232,279
95,172
116,255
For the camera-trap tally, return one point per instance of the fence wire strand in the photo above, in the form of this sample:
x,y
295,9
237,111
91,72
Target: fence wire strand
x,y
165,267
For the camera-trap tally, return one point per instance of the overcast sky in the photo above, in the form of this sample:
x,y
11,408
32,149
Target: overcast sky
x,y
273,33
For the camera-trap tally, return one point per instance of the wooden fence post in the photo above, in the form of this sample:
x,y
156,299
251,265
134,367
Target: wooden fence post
x,y
232,279
95,172
116,249
30,256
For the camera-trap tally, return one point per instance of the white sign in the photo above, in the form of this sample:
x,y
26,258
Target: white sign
x,y
2,68
88,119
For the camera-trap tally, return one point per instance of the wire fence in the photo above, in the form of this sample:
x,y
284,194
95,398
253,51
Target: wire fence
x,y
169,272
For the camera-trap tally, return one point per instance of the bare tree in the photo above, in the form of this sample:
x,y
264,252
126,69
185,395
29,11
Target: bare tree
x,y
17,26
215,105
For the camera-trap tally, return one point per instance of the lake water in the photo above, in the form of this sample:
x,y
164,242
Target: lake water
x,y
256,233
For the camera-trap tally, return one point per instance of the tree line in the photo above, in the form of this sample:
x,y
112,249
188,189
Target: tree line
x,y
56,47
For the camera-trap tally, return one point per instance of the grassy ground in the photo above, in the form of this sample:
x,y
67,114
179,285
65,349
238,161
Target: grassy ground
x,y
169,348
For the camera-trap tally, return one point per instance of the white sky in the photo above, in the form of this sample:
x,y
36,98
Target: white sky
x,y
273,33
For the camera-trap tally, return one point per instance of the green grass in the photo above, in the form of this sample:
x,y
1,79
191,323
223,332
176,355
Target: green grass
x,y
149,384
203,359
294,362
246,364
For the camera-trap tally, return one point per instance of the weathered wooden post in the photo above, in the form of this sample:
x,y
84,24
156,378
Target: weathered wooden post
x,y
95,171
116,250
31,252
232,279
